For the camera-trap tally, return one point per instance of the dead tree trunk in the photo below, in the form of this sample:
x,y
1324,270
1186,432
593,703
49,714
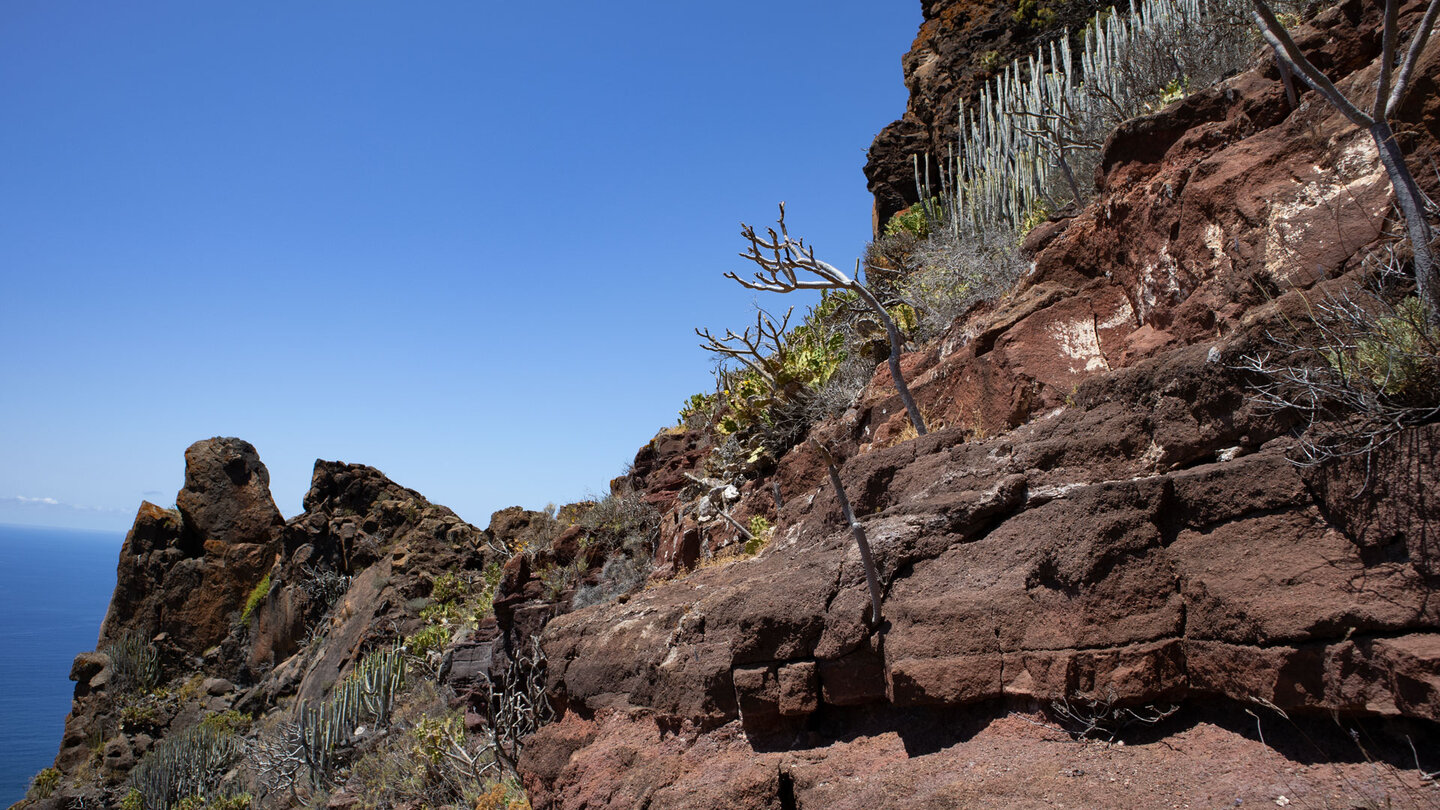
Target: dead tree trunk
x,y
1388,95
872,577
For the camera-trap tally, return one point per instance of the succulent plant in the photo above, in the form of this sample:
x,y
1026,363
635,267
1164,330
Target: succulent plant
x,y
135,662
191,763
366,695
1039,125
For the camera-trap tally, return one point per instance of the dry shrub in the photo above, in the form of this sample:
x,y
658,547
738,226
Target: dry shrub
x,y
1363,366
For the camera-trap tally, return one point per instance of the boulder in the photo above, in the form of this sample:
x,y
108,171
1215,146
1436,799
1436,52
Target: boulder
x,y
226,497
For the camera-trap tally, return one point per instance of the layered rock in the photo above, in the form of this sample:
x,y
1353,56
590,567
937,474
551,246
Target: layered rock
x,y
1100,516
1100,513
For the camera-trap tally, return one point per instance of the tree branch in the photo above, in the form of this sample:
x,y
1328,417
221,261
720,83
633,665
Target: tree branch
x,y
872,578
1275,34
781,256
1417,44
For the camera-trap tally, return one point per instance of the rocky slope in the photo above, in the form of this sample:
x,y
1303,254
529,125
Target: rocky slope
x,y
1103,513
228,595
1101,522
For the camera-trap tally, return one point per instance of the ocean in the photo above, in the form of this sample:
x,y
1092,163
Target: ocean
x,y
57,584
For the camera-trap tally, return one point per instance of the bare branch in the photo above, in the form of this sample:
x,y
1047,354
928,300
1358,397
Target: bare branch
x,y
762,351
1387,60
782,257
1274,33
1364,374
871,576
1407,193
1417,44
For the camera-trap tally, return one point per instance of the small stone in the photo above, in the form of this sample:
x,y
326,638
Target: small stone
x,y
217,686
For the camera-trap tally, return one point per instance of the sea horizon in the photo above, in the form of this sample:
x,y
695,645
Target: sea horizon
x,y
60,584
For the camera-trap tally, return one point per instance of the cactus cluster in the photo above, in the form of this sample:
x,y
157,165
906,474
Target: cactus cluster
x,y
517,704
1031,141
135,663
188,764
322,729
324,585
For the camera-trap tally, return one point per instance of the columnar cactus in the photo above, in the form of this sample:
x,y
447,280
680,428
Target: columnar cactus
x,y
1025,143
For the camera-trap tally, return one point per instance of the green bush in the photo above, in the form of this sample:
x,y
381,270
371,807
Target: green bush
x,y
916,219
441,613
484,602
436,736
140,715
448,587
134,662
697,409
240,801
432,637
1400,356
44,784
134,800
771,402
1033,14
227,722
257,595
1362,367
760,532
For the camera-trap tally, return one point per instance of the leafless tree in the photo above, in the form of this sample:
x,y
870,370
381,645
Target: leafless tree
x,y
516,705
1358,370
872,577
762,350
1389,92
781,257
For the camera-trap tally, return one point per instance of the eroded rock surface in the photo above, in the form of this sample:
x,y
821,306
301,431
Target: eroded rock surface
x,y
1099,513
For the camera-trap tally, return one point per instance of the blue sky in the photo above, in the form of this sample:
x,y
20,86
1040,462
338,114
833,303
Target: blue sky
x,y
463,242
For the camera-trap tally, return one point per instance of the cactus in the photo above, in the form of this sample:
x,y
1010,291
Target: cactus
x,y
191,763
366,695
1040,124
135,662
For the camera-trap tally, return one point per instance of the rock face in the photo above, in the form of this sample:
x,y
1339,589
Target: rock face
x,y
1099,513
226,497
1100,518
183,572
185,575
960,46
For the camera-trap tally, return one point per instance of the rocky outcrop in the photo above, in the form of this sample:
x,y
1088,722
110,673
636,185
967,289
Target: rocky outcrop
x,y
1099,518
345,577
1099,513
961,45
183,572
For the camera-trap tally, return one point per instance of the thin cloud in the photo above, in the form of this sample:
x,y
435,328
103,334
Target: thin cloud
x,y
25,500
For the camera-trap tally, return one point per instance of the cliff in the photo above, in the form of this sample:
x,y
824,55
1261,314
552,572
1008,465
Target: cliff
x,y
961,45
1106,581
1103,514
